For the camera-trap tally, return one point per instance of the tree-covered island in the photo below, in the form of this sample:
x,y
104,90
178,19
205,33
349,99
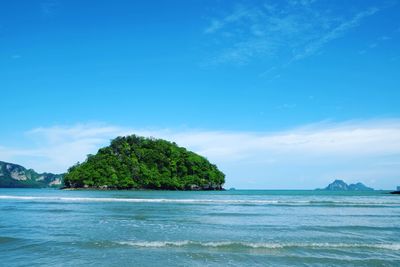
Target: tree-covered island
x,y
134,162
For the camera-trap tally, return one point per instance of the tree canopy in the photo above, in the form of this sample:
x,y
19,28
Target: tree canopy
x,y
145,163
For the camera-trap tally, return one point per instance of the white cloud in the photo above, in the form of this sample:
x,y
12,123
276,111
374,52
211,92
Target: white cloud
x,y
54,149
280,33
334,33
355,150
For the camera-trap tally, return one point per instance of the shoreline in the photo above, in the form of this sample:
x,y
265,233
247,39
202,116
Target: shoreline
x,y
134,189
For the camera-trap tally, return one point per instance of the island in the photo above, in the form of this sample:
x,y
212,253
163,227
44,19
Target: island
x,y
397,192
340,185
16,176
134,162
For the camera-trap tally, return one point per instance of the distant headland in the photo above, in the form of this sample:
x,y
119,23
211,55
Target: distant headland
x,y
16,176
340,185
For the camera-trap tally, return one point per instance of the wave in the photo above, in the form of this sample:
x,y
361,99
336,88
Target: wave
x,y
254,245
138,200
206,201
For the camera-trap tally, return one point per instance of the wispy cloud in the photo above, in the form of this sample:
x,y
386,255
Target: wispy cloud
x,y
315,45
287,106
376,43
49,7
279,33
353,150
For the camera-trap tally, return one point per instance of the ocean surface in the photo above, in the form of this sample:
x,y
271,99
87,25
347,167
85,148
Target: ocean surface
x,y
42,227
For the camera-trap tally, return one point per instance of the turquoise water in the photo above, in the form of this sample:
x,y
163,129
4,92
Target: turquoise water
x,y
231,228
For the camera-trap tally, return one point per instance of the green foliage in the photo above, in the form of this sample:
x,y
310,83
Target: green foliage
x,y
138,162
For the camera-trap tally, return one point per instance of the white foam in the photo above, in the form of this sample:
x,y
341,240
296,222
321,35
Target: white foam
x,y
203,201
138,200
216,244
156,244
255,245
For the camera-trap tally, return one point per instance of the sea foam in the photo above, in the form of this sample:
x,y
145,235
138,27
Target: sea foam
x,y
204,201
260,245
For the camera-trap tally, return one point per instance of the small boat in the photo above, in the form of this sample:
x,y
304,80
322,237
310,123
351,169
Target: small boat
x,y
395,192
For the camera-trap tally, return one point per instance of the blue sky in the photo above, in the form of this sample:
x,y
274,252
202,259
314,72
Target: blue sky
x,y
280,94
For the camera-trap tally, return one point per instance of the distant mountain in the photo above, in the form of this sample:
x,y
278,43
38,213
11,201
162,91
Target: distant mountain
x,y
359,187
13,175
340,185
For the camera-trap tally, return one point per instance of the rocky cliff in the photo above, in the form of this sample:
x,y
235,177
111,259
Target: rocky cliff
x,y
13,175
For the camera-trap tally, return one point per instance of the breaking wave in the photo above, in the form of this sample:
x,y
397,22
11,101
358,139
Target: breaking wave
x,y
254,245
205,201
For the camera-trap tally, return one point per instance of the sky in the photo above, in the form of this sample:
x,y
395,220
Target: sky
x,y
279,94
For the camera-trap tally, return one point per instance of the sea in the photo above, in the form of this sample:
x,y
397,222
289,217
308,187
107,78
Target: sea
x,y
47,227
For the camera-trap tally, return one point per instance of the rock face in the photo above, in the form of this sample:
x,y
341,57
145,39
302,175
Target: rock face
x,y
13,175
340,185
